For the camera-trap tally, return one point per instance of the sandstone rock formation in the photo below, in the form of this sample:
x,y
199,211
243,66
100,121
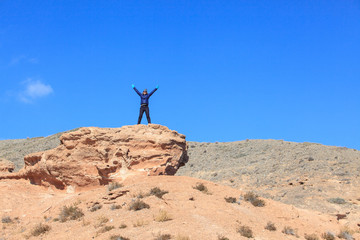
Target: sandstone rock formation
x,y
94,156
6,166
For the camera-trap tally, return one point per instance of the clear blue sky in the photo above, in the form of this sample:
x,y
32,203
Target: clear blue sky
x,y
227,70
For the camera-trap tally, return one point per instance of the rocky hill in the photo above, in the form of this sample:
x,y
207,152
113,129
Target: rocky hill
x,y
307,175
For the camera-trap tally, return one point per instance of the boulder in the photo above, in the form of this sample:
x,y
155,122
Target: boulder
x,y
6,166
92,156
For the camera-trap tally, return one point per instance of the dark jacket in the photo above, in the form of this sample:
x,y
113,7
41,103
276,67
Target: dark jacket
x,y
144,98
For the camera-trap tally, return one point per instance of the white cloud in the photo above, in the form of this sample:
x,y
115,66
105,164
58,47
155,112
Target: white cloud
x,y
23,58
34,89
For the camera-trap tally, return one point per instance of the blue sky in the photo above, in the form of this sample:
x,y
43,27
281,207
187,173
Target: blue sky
x,y
227,70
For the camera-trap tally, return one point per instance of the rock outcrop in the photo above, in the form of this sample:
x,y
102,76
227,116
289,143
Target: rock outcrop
x,y
6,166
94,156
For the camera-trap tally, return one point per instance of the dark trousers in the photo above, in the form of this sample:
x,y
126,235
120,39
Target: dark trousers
x,y
145,109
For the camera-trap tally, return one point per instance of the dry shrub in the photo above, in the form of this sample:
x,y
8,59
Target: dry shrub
x,y
138,205
254,199
114,185
158,192
270,226
221,237
140,223
105,229
162,237
230,199
328,236
289,231
245,231
118,237
163,216
40,229
101,221
346,234
70,213
122,226
202,188
6,219
95,207
115,206
311,237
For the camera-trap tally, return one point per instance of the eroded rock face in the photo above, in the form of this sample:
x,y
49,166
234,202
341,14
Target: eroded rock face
x,y
94,156
6,166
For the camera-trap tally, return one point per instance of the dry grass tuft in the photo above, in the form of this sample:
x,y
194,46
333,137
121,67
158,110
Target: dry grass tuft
x,y
122,226
115,206
311,237
202,188
181,237
230,199
95,207
328,236
158,192
118,237
40,229
138,205
162,237
70,213
221,237
101,221
114,185
6,219
254,199
245,231
105,229
140,223
270,226
289,231
346,234
163,216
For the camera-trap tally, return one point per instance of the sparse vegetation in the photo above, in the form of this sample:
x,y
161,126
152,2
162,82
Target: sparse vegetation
x,y
140,223
221,237
337,200
70,213
115,206
345,234
289,231
158,192
245,231
163,216
270,226
6,219
254,199
114,185
40,229
138,205
105,229
162,237
202,188
311,237
328,236
95,207
122,226
230,199
118,237
101,221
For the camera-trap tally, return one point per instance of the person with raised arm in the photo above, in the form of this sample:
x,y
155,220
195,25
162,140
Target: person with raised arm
x,y
144,103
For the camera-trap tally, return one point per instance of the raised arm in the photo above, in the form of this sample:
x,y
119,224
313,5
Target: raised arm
x,y
137,91
153,91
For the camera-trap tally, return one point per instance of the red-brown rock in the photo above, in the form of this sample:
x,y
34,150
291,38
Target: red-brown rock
x,y
6,166
94,156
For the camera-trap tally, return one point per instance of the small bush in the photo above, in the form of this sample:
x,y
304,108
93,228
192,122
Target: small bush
x,y
270,226
138,205
328,236
122,226
345,234
162,237
163,216
70,213
245,231
140,223
106,229
101,221
311,237
254,199
6,219
202,188
230,199
289,231
118,237
40,229
337,200
95,207
221,237
114,207
158,192
114,185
